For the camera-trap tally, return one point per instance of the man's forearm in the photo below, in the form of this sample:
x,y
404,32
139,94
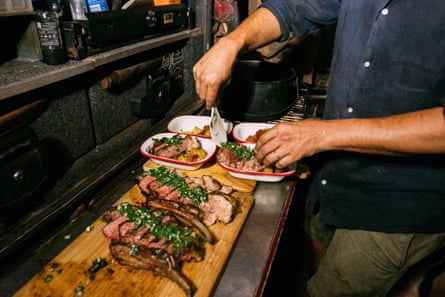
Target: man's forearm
x,y
419,132
259,29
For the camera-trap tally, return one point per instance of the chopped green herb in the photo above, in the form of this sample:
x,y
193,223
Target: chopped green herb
x,y
98,263
78,291
48,278
180,237
170,178
174,140
242,151
134,248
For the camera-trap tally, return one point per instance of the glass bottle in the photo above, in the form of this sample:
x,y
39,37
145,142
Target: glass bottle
x,y
50,35
78,9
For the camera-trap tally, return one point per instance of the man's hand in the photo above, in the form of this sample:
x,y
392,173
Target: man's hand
x,y
213,70
287,143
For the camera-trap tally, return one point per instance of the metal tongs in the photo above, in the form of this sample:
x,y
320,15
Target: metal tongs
x,y
217,130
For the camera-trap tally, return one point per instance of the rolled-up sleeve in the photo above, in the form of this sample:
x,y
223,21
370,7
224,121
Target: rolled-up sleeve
x,y
302,16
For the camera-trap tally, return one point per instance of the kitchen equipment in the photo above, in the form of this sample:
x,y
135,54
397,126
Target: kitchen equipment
x,y
28,168
259,91
109,29
217,130
314,105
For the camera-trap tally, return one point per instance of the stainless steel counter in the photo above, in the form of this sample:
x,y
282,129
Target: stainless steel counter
x,y
250,263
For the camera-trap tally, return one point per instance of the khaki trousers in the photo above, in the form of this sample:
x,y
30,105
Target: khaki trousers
x,y
363,263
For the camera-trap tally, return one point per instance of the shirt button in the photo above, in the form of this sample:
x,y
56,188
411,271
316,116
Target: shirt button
x,y
324,182
366,64
350,109
385,11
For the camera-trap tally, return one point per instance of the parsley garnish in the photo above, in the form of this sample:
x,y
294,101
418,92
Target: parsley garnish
x,y
240,150
170,178
174,140
181,237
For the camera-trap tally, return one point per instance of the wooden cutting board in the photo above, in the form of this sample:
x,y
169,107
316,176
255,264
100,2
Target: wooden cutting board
x,y
68,269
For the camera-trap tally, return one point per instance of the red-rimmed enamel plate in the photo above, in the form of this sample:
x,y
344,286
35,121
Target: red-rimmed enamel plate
x,y
206,145
258,175
242,131
185,125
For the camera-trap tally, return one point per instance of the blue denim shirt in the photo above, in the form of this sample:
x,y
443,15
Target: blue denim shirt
x,y
389,58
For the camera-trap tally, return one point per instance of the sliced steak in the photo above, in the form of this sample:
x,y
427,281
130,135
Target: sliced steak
x,y
223,205
229,156
171,151
187,213
219,204
124,230
159,263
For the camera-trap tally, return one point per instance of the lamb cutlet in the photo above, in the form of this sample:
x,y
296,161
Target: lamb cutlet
x,y
171,226
214,201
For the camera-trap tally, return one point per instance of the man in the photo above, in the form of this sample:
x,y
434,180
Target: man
x,y
378,203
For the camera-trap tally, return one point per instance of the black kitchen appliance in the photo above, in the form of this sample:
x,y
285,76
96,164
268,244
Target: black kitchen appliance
x,y
109,29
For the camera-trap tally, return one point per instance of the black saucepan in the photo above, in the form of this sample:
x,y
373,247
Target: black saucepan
x,y
259,91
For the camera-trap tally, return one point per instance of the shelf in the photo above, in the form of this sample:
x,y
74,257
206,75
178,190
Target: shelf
x,y
18,77
139,47
27,76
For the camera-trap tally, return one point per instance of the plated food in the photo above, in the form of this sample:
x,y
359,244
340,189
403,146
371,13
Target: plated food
x,y
171,226
178,151
195,125
239,160
249,132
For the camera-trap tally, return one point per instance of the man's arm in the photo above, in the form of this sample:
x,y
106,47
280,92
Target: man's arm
x,y
419,132
214,69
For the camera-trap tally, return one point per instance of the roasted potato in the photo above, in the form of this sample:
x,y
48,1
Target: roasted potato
x,y
193,155
205,131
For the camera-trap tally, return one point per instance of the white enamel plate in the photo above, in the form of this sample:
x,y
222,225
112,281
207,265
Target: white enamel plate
x,y
206,144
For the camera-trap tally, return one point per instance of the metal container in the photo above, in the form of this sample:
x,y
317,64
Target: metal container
x,y
259,91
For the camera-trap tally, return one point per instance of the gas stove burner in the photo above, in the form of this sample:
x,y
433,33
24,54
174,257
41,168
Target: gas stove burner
x,y
310,104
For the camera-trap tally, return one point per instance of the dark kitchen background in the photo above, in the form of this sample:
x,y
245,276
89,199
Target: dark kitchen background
x,y
69,133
